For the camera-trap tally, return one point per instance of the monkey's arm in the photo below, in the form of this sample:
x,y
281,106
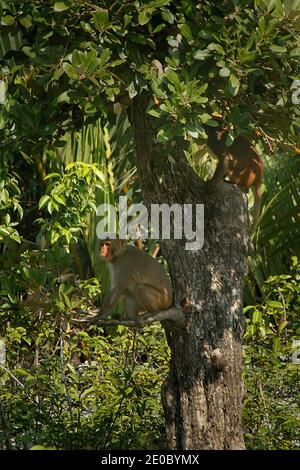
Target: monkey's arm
x,y
221,170
108,306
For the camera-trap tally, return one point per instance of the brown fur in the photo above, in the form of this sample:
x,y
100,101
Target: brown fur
x,y
136,276
240,162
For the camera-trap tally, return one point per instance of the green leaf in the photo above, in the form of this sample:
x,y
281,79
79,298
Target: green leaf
x,y
29,52
91,62
205,117
59,199
252,330
202,54
275,7
256,316
132,90
186,31
40,447
4,231
51,175
234,85
154,113
15,236
262,331
67,300
168,16
172,77
229,138
244,55
101,18
44,201
280,49
136,37
60,6
70,70
127,19
224,72
26,21
78,58
63,97
7,20
192,130
104,57
295,52
282,326
262,24
275,344
162,138
144,17
216,47
157,91
274,304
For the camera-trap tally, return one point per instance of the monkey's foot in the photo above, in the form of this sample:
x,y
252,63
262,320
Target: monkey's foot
x,y
91,318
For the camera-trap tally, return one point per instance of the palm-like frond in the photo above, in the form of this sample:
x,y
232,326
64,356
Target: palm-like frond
x,y
109,146
278,234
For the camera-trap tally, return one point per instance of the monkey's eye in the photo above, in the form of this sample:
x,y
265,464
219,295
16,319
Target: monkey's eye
x,y
106,244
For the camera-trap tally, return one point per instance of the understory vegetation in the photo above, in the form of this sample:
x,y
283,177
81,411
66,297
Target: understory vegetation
x,y
67,387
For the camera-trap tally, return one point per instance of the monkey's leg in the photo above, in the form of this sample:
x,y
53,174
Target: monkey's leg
x,y
109,304
131,307
152,299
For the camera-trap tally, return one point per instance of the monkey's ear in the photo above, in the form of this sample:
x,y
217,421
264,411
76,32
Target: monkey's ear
x,y
118,247
122,243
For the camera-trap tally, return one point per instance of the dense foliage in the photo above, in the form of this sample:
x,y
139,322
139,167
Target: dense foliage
x,y
65,68
68,387
70,60
272,359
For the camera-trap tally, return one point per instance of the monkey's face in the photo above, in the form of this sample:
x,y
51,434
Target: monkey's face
x,y
111,249
105,250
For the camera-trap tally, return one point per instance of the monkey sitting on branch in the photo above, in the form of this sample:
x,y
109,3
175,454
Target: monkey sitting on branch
x,y
240,162
141,281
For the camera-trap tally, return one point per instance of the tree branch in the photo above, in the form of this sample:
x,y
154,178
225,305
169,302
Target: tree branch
x,y
174,314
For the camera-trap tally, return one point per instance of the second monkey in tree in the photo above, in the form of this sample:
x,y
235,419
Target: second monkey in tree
x,y
240,162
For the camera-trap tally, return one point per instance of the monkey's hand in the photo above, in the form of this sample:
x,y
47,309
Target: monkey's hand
x,y
212,185
93,317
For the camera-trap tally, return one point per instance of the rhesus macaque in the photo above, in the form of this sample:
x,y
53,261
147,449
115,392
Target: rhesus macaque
x,y
240,162
136,276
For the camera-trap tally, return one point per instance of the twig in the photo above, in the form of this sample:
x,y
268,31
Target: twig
x,y
62,363
12,375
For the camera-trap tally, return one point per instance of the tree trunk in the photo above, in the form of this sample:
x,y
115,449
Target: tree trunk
x,y
202,397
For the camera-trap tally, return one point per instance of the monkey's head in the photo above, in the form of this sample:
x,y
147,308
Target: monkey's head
x,y
112,249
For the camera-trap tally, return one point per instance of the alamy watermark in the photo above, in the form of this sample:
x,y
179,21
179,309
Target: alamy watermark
x,y
2,353
2,92
161,221
296,92
296,353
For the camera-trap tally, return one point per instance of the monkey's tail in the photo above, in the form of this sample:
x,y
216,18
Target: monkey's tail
x,y
257,193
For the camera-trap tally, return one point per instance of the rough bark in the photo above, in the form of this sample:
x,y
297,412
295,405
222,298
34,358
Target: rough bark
x,y
202,397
